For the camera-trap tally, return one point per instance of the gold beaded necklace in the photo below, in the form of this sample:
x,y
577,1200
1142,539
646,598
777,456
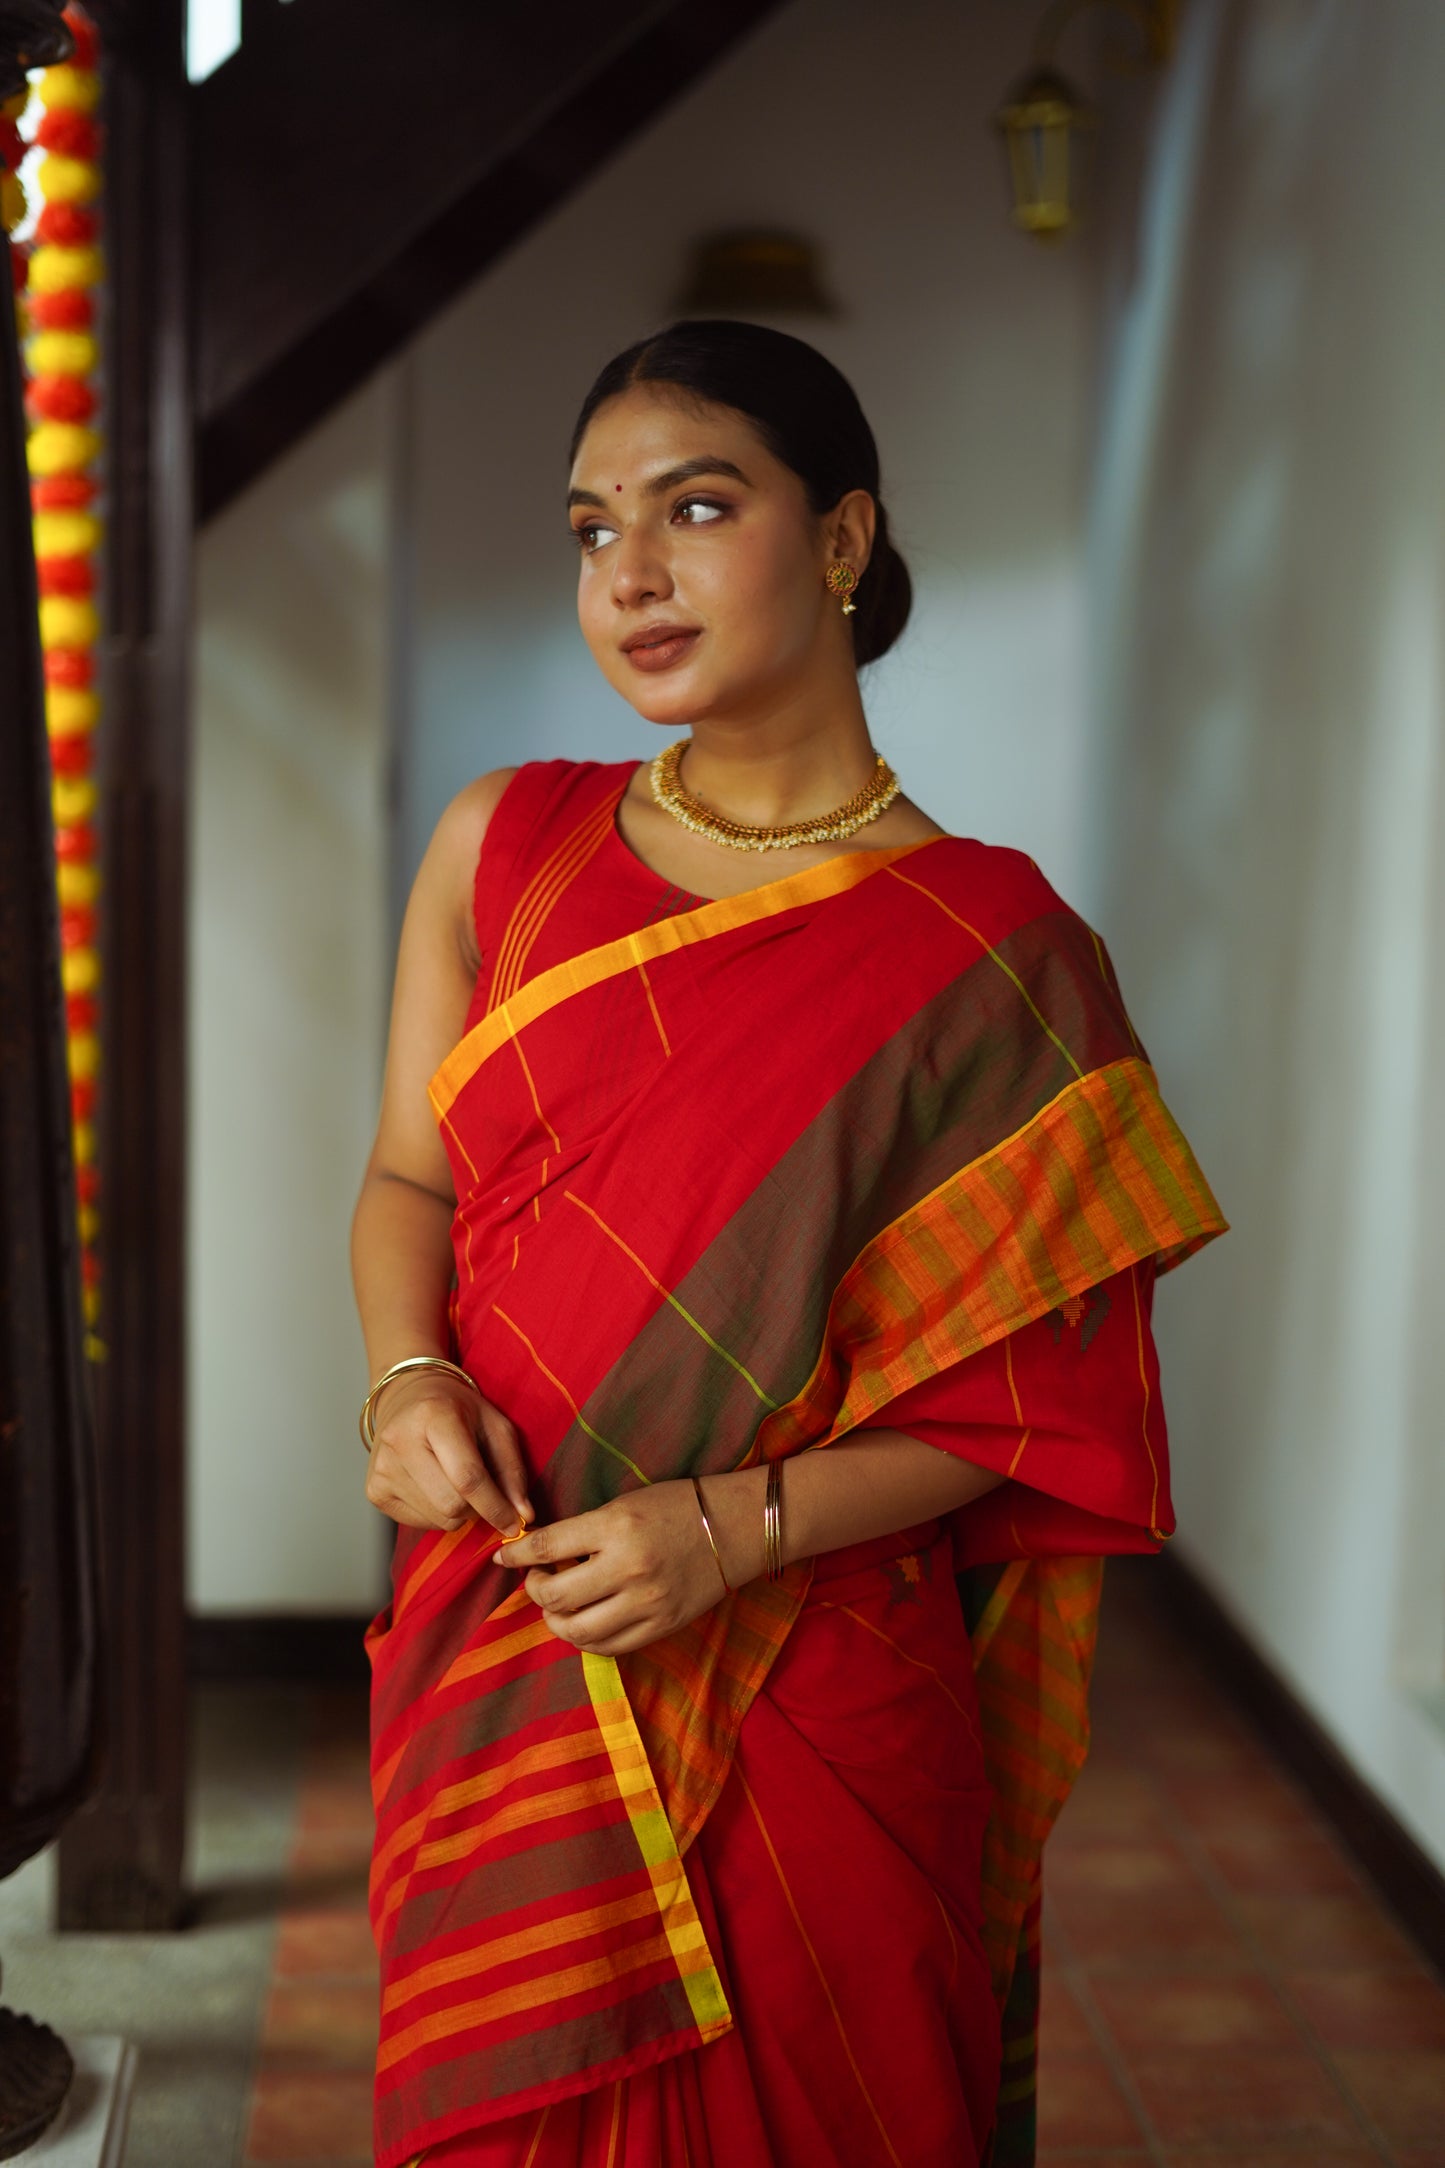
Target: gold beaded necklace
x,y
877,794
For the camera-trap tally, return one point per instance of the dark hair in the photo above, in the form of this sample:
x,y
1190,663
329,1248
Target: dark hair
x,y
807,414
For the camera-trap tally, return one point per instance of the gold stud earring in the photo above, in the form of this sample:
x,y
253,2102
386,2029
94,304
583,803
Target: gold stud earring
x,y
840,579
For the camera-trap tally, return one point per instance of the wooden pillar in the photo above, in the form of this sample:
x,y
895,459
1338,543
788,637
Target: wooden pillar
x,y
121,1858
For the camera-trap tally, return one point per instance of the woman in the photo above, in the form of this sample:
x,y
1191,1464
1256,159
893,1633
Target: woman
x,y
733,1110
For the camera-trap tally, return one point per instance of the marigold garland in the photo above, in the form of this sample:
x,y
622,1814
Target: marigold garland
x,y
63,356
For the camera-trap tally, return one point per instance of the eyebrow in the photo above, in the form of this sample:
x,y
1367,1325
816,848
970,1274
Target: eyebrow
x,y
688,471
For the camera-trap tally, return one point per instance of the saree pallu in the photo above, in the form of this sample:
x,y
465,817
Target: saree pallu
x,y
874,1144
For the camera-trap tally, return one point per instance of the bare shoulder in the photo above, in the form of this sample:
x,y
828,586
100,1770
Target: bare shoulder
x,y
451,856
905,822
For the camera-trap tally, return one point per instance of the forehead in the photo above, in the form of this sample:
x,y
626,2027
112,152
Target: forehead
x,y
648,428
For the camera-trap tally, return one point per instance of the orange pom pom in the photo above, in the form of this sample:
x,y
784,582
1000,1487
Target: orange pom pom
x,y
69,135
60,399
69,666
66,311
87,42
65,576
75,844
87,1179
77,925
70,755
62,493
66,225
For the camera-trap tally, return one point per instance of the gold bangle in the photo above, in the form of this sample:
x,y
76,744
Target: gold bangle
x,y
711,1538
408,1362
773,1522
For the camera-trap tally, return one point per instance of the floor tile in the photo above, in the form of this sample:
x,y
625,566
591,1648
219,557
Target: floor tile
x,y
1330,1932
338,1941
1371,2009
1243,2097
1153,2011
312,2025
321,2116
1063,2028
1080,2104
1281,1861
1174,1927
1403,2089
1241,1801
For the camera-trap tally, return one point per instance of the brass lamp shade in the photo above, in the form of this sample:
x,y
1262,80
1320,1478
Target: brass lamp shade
x,y
1043,125
734,274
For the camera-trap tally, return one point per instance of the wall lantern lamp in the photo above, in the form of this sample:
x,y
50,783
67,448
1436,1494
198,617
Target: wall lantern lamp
x,y
1046,120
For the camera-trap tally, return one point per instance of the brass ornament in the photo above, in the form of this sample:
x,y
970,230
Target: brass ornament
x,y
877,794
840,579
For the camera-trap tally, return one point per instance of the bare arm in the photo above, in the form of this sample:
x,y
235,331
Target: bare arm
x,y
440,1455
629,1572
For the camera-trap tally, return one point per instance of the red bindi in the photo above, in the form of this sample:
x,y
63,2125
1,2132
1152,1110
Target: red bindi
x,y
618,487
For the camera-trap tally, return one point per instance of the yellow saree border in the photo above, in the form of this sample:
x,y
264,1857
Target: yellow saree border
x,y
632,1773
664,938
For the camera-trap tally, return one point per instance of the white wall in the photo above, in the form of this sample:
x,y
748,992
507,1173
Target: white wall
x,y
1269,550
868,129
290,960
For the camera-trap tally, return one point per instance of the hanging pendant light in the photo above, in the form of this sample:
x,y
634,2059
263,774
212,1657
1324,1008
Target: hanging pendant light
x,y
1043,126
1046,122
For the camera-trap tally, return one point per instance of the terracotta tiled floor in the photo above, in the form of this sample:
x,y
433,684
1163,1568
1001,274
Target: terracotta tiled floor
x,y
1220,1986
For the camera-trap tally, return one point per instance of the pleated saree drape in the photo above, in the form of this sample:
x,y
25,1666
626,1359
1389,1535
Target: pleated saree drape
x,y
874,1144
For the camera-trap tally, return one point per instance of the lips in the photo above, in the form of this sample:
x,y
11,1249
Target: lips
x,y
658,647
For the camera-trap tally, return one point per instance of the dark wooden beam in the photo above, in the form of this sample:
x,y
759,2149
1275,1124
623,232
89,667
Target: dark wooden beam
x,y
121,1859
359,162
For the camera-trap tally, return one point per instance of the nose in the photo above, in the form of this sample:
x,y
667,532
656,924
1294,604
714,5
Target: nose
x,y
639,570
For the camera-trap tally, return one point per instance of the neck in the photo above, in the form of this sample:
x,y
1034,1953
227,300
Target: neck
x,y
803,760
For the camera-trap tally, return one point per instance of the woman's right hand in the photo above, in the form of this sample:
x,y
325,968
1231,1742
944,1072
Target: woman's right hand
x,y
444,1455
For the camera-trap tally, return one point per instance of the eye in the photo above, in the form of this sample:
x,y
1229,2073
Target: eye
x,y
699,511
589,538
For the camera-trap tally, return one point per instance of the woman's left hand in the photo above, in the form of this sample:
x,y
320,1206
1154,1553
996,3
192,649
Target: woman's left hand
x,y
625,1574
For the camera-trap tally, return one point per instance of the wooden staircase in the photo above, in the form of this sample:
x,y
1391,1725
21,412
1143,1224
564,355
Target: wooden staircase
x,y
357,163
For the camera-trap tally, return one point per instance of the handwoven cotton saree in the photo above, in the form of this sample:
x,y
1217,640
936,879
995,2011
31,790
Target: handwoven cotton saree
x,y
871,1145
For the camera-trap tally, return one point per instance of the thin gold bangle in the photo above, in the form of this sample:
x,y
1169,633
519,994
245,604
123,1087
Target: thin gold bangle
x,y
408,1362
712,1539
773,1522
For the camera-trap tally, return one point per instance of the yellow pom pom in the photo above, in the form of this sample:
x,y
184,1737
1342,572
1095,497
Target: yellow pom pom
x,y
80,970
13,205
69,90
87,1220
69,180
56,270
62,353
73,798
61,448
76,883
68,621
70,707
95,1349
82,1054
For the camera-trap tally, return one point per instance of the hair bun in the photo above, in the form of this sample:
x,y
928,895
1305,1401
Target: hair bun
x,y
885,598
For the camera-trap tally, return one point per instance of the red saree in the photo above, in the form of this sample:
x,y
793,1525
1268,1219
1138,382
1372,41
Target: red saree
x,y
872,1145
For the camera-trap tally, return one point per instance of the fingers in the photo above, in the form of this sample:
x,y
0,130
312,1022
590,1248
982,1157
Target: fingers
x,y
569,1588
605,1628
504,1451
456,1454
561,1542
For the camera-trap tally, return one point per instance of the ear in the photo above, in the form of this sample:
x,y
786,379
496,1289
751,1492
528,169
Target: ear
x,y
850,527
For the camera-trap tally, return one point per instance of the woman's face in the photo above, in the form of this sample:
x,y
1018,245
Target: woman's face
x,y
701,590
